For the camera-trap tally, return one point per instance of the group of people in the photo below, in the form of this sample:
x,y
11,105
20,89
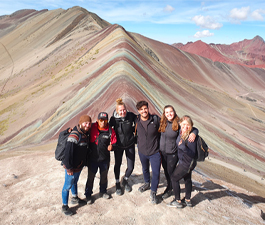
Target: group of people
x,y
168,140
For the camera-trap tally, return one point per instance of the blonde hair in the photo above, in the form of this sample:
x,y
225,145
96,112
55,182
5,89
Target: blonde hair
x,y
119,102
185,135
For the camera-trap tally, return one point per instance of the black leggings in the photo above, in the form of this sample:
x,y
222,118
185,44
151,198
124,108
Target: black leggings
x,y
179,173
130,156
169,162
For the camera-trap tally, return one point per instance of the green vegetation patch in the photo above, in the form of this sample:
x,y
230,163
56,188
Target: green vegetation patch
x,y
9,108
4,126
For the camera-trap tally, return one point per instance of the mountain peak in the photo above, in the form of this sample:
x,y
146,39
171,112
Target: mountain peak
x,y
258,38
247,52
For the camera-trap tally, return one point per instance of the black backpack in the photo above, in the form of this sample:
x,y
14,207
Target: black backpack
x,y
60,148
202,150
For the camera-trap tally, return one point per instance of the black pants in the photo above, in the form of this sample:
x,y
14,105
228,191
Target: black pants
x,y
130,156
92,170
179,173
169,162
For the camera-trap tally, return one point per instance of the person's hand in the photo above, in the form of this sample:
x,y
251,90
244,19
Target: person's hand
x,y
70,172
109,147
70,130
192,137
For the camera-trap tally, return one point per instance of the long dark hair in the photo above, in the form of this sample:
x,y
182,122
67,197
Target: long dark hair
x,y
163,121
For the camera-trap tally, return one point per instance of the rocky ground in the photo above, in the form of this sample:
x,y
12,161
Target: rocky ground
x,y
32,180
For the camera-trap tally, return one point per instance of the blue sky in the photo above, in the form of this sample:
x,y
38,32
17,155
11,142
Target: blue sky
x,y
212,21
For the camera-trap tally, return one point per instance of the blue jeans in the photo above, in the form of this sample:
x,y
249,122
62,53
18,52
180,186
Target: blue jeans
x,y
70,183
155,161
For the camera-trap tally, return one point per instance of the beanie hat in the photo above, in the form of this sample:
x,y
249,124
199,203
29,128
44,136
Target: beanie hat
x,y
103,115
84,118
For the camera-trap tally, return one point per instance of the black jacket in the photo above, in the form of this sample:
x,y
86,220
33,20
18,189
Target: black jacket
x,y
124,128
76,151
168,139
99,142
148,141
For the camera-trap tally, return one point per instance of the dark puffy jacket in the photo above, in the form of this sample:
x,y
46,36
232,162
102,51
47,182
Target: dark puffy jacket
x,y
187,152
124,129
76,150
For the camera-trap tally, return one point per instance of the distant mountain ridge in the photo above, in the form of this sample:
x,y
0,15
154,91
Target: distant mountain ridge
x,y
247,52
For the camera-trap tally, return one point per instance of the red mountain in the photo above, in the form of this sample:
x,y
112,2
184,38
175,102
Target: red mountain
x,y
246,52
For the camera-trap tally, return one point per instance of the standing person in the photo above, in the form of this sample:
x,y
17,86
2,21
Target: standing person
x,y
124,126
148,148
187,162
75,156
169,128
102,137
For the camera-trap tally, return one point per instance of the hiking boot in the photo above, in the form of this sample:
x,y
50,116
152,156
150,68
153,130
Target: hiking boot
x,y
188,202
76,200
175,203
144,187
126,185
118,189
153,197
104,195
89,200
167,193
66,210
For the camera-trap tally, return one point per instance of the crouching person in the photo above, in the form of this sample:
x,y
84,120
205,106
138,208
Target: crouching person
x,y
102,137
76,151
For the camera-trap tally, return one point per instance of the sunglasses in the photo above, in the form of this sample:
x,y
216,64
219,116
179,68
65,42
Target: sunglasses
x,y
103,120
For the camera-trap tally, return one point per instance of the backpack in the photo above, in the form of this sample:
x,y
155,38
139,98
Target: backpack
x,y
109,136
60,148
202,150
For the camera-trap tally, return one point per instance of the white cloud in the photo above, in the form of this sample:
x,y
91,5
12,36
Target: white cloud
x,y
240,14
203,8
206,22
257,14
169,8
204,33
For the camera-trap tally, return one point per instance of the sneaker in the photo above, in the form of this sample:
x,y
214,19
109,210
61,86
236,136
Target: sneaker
x,y
153,197
66,210
89,200
118,189
126,185
105,195
176,204
167,193
144,187
76,200
188,202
